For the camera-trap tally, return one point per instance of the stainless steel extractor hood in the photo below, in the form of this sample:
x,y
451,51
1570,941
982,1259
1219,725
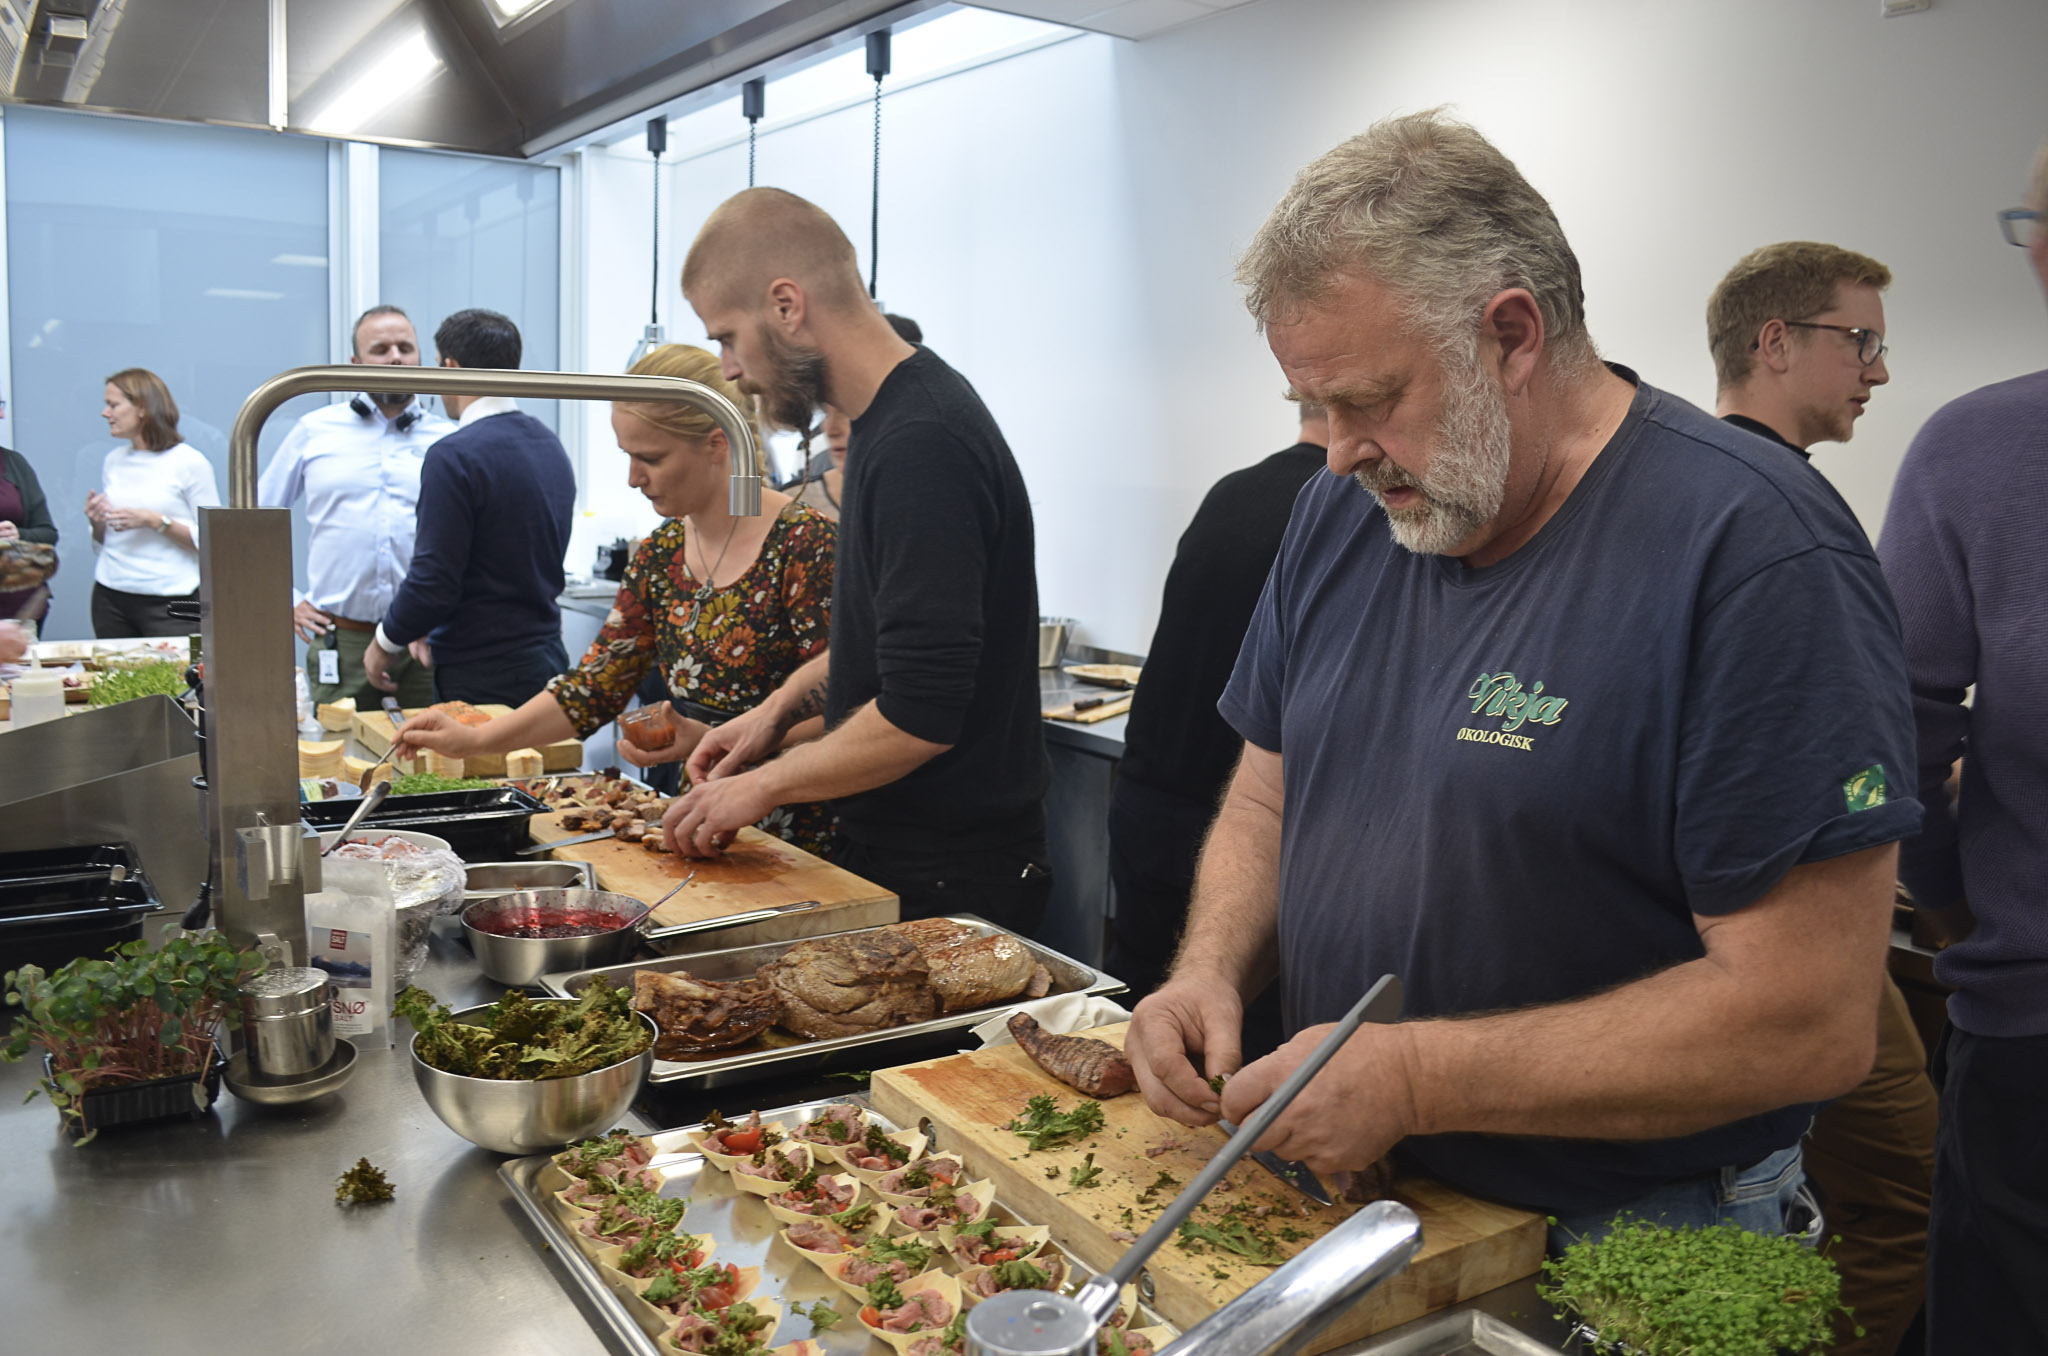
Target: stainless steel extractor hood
x,y
501,77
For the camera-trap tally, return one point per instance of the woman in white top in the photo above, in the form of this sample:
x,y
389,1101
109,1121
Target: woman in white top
x,y
145,516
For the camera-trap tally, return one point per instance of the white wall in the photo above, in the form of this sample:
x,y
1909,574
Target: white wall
x,y
1064,223
618,188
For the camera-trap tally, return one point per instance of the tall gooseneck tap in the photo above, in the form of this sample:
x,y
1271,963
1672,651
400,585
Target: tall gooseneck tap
x,y
261,866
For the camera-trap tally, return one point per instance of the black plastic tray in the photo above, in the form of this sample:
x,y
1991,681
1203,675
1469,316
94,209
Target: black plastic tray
x,y
160,1099
485,825
57,904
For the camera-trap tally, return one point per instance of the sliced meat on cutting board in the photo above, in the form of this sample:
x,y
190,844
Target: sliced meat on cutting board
x,y
1469,1246
758,871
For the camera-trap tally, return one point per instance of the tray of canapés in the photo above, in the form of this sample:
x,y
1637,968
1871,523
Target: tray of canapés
x,y
814,1230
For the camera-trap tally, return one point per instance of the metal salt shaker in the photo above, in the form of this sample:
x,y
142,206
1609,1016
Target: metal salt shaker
x,y
288,1022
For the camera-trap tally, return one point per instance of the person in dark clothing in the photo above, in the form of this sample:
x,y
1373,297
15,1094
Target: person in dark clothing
x,y
1178,750
934,754
1962,549
479,602
24,517
1797,334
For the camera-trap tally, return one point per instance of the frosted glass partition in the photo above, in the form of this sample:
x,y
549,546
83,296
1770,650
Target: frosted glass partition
x,y
455,232
199,253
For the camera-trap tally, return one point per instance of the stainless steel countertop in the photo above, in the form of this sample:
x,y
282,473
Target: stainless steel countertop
x,y
224,1228
1104,737
185,1228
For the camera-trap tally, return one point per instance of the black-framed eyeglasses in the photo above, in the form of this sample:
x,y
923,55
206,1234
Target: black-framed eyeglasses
x,y
1870,345
2012,224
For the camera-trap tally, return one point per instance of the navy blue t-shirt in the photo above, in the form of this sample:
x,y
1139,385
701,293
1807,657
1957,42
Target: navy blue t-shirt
x,y
1516,785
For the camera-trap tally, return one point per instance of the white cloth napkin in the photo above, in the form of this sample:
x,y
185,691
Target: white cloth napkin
x,y
1060,1015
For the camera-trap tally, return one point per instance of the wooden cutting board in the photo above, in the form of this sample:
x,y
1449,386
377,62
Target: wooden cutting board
x,y
1469,1246
374,731
1115,706
758,871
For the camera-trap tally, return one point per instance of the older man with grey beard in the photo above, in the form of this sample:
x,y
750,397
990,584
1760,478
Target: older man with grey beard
x,y
1580,711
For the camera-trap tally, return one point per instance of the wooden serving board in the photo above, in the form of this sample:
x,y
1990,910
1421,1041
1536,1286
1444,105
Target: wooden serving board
x,y
758,871
374,731
1469,1246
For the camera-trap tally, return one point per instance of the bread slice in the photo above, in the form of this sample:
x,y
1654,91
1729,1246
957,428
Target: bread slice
x,y
320,758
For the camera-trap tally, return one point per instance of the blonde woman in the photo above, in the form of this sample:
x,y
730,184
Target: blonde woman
x,y
145,515
727,607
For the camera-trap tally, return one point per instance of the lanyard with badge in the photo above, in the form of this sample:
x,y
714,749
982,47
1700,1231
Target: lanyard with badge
x,y
329,660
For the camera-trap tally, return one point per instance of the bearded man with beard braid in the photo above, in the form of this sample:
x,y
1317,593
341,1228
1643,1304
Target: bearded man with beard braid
x,y
1581,711
934,756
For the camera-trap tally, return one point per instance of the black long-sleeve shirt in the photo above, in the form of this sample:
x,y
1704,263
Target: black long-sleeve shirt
x,y
935,616
1175,740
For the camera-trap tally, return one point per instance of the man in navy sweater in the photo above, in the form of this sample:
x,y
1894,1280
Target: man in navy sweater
x,y
1963,553
479,603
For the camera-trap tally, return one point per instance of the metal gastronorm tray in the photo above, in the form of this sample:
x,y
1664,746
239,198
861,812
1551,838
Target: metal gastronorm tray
x,y
1068,976
746,1234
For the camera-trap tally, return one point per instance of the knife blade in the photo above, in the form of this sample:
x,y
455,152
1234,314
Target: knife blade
x,y
1384,1009
1296,1175
566,842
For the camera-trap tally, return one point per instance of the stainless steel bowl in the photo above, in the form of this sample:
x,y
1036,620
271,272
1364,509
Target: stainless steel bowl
x,y
528,1116
523,960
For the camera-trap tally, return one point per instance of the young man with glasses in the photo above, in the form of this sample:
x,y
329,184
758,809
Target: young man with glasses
x,y
1797,334
1964,554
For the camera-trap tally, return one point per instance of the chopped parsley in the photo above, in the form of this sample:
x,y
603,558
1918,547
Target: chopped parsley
x,y
1165,1181
1085,1174
1044,1126
1020,1275
822,1315
1233,1235
883,1294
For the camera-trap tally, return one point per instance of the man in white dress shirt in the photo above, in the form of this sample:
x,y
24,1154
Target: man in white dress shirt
x,y
358,465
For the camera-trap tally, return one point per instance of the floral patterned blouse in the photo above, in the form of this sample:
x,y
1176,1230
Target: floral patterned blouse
x,y
725,648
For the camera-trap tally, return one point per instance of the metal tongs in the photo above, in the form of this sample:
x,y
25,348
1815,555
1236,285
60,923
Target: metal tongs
x,y
1276,1315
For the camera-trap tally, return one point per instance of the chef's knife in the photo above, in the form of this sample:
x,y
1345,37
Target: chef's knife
x,y
1296,1175
1384,1008
566,842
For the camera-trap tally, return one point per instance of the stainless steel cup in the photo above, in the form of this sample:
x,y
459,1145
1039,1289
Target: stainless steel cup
x,y
1052,640
288,1022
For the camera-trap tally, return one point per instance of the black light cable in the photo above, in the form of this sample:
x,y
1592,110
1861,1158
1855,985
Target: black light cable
x,y
657,142
878,66
753,103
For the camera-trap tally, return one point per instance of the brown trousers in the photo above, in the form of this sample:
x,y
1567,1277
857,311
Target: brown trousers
x,y
1870,1157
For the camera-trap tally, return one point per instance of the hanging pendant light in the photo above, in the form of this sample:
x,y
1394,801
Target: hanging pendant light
x,y
878,66
753,103
652,337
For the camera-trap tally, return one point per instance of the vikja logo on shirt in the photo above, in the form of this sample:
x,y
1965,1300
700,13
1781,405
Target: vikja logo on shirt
x,y
1502,695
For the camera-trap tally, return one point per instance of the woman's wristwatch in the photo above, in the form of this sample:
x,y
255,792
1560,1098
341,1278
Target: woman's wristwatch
x,y
163,523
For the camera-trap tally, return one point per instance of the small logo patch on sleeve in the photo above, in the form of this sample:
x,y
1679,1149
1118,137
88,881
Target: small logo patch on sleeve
x,y
1865,790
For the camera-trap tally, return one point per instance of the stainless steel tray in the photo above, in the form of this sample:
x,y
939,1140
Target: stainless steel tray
x,y
746,1234
1462,1334
1068,976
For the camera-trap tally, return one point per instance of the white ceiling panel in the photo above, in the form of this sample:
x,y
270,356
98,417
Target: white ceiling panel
x,y
1122,18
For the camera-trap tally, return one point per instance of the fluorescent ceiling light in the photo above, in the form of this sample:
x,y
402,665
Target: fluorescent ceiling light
x,y
390,78
244,294
300,260
507,11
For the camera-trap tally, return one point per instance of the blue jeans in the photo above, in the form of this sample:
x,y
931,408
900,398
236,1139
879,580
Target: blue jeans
x,y
1768,1197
